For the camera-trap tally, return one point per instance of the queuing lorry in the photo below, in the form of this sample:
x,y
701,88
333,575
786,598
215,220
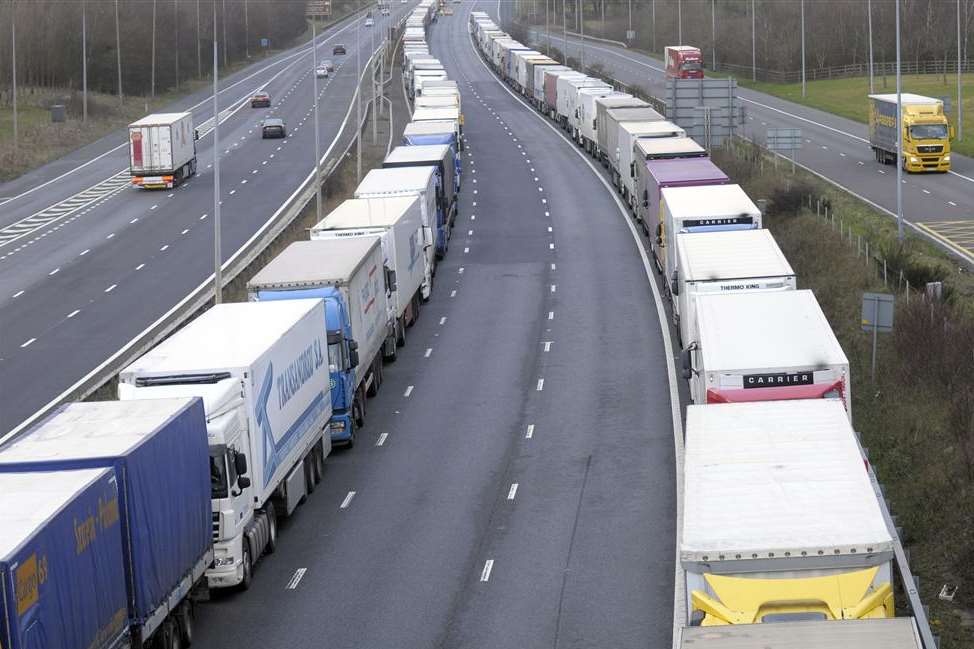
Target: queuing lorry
x,y
926,132
683,62
723,262
584,121
156,452
704,208
447,166
608,128
782,348
349,275
567,106
398,225
62,571
781,521
678,162
551,78
516,68
162,150
432,132
627,152
886,633
421,182
602,104
262,372
525,67
441,114
538,87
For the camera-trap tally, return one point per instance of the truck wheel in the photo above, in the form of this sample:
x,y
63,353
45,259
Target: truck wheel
x,y
319,463
248,568
171,636
401,335
309,474
373,388
185,622
271,515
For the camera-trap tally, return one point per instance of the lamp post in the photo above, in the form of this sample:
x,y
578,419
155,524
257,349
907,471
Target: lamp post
x,y
899,133
217,253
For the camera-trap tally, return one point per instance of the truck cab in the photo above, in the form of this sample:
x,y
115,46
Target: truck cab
x,y
926,132
683,62
342,361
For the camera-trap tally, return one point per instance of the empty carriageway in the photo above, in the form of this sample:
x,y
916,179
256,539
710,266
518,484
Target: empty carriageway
x,y
515,483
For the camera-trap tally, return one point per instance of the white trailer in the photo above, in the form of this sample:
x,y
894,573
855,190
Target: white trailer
x,y
780,518
567,95
525,71
162,150
262,372
711,208
410,181
629,134
398,224
440,114
587,115
539,81
888,633
608,129
764,346
724,262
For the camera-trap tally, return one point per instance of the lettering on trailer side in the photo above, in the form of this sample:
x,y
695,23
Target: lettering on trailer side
x,y
777,380
298,371
736,220
740,287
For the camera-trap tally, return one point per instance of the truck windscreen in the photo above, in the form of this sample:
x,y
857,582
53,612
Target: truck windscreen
x,y
691,66
928,132
219,480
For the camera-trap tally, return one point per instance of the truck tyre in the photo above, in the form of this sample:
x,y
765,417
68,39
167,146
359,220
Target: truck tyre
x,y
271,515
401,335
309,474
319,463
171,638
185,621
248,568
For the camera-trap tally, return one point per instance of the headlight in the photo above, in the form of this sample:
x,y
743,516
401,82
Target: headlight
x,y
226,561
338,425
914,159
947,158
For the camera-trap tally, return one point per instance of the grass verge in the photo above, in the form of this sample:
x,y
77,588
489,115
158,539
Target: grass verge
x,y
917,418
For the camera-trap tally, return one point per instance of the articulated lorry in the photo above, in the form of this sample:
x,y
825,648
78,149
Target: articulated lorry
x,y
398,225
683,62
669,163
349,275
538,86
701,208
567,89
155,451
262,372
162,150
781,348
447,165
422,182
781,521
551,77
632,134
609,119
449,114
926,132
62,573
725,262
583,119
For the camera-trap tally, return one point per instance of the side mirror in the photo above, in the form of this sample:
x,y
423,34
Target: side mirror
x,y
687,362
952,133
240,463
243,482
632,169
196,134
353,345
675,284
391,280
659,235
353,358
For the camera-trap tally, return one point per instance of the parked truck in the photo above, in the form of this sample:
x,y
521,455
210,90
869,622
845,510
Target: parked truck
x,y
157,454
602,104
669,164
702,208
584,118
781,521
537,87
162,150
723,262
262,372
551,77
568,101
421,182
59,588
887,633
632,134
525,67
926,132
432,132
398,224
683,62
447,166
449,114
351,278
609,120
782,348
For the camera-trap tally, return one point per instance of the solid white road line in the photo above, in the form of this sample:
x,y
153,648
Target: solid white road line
x,y
485,573
54,272
74,313
111,288
28,343
296,578
512,491
140,267
18,294
348,500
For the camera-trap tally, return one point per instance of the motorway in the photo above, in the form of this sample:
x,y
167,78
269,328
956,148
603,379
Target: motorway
x,y
939,206
515,485
88,262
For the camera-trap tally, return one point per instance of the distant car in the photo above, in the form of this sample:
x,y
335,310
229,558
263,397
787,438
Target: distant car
x,y
328,63
273,127
369,22
338,49
260,100
321,72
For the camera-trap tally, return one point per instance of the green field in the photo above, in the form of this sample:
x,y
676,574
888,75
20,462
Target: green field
x,y
847,97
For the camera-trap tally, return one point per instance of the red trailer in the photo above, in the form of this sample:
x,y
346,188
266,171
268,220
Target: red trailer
x,y
683,62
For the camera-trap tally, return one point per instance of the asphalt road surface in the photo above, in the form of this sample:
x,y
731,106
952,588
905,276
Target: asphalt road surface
x,y
514,485
941,206
87,262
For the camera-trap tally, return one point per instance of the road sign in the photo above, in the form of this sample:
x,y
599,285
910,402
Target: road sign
x,y
877,315
630,34
784,139
318,9
265,42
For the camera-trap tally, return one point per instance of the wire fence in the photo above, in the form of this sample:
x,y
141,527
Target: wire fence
x,y
880,68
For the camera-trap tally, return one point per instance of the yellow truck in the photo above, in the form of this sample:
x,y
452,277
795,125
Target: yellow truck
x,y
781,522
926,132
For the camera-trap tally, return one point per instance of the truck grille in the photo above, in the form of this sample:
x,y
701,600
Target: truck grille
x,y
930,148
216,526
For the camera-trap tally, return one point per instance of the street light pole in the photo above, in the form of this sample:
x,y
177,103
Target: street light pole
x,y
118,53
226,46
754,56
581,25
358,95
899,133
246,30
152,86
564,27
869,20
654,26
217,253
960,100
679,22
199,55
713,34
84,61
546,30
13,62
314,76
804,90
175,16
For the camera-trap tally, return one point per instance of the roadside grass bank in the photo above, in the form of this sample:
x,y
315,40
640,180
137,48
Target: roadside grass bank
x,y
40,141
917,418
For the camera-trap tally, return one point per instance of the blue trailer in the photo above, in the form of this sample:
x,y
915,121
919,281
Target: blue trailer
x,y
159,452
62,575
